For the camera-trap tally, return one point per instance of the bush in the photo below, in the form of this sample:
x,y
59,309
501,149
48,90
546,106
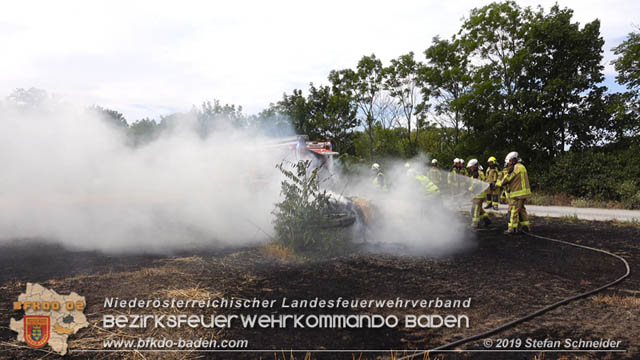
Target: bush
x,y
632,202
627,189
304,208
590,174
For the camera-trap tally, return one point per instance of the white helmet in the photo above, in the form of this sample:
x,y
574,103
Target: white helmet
x,y
510,156
456,160
375,166
472,162
434,161
461,160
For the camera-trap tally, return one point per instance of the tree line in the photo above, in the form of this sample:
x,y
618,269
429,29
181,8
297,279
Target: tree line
x,y
512,78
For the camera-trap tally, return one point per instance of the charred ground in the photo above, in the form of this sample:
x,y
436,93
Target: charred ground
x,y
506,277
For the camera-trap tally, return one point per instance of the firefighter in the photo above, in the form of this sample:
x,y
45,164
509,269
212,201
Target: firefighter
x,y
462,170
434,173
451,180
378,178
425,182
493,174
517,180
477,213
475,170
454,180
430,189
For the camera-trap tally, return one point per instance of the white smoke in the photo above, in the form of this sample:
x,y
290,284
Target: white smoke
x,y
408,219
69,176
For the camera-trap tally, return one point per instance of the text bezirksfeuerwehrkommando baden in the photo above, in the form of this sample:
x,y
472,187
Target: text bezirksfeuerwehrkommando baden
x,y
286,303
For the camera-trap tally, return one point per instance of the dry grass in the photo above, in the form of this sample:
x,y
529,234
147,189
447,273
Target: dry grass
x,y
629,302
193,260
415,356
570,218
567,200
618,223
193,293
281,253
550,200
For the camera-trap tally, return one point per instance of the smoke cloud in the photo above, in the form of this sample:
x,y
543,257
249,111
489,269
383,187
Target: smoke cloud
x,y
408,218
69,176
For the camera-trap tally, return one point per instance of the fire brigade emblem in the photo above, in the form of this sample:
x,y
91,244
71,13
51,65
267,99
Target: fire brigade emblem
x,y
36,330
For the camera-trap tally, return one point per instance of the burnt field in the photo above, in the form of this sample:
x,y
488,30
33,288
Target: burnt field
x,y
506,278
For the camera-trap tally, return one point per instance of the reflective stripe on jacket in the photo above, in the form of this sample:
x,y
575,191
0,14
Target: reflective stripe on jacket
x,y
429,187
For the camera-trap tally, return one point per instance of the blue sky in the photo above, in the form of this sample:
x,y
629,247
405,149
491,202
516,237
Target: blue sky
x,y
147,59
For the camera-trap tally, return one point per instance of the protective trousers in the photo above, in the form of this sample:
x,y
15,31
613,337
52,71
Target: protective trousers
x,y
517,214
477,212
493,198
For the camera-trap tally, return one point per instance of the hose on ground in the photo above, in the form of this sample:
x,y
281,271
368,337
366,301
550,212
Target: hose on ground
x,y
534,314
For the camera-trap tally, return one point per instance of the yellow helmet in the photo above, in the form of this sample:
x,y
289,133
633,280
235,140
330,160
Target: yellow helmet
x,y
492,159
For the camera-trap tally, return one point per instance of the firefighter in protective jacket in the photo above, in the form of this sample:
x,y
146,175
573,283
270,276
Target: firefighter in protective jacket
x,y
493,174
378,178
477,213
517,180
455,180
434,173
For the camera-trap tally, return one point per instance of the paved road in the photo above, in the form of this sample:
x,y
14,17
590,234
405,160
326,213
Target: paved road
x,y
580,213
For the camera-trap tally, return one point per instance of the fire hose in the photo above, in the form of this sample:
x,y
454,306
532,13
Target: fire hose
x,y
534,314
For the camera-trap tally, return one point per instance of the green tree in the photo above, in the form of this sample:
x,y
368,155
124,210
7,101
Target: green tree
x,y
296,108
627,63
326,113
112,117
31,99
626,106
536,84
446,79
494,36
213,115
334,115
623,116
143,132
403,82
563,67
272,122
364,87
